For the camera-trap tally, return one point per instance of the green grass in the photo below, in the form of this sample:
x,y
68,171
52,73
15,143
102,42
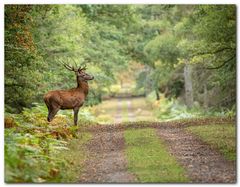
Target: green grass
x,y
149,160
76,155
221,137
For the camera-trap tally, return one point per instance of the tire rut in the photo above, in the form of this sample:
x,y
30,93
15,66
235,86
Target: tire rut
x,y
106,162
202,163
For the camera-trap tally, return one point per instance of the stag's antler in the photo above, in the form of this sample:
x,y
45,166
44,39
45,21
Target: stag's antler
x,y
74,62
67,66
82,68
71,68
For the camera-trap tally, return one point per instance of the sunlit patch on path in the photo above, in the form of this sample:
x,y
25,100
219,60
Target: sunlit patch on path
x,y
131,115
118,115
118,110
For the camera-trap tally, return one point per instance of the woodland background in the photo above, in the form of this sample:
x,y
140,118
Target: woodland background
x,y
169,42
180,58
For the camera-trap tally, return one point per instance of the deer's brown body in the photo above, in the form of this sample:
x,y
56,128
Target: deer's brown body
x,y
68,99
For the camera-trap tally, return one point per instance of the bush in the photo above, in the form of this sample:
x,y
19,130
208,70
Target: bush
x,y
32,145
114,90
171,109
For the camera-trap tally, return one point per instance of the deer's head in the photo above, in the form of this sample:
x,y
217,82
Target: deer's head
x,y
82,75
80,72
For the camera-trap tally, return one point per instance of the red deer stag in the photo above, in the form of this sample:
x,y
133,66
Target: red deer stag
x,y
69,99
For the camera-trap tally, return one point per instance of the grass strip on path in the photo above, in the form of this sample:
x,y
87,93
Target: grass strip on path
x,y
149,160
221,137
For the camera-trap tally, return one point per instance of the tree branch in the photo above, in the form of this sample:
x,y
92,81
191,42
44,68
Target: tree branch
x,y
212,52
13,85
223,64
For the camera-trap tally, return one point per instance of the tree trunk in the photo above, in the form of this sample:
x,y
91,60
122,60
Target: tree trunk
x,y
205,97
188,85
157,94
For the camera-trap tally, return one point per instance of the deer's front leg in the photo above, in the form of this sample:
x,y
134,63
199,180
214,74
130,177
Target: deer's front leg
x,y
75,115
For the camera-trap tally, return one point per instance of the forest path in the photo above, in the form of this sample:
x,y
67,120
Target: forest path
x,y
124,110
107,162
119,112
202,163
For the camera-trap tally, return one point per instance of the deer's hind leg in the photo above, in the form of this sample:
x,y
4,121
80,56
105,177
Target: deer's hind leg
x,y
75,115
52,112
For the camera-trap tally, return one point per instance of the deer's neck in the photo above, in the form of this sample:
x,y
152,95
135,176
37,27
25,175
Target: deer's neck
x,y
83,86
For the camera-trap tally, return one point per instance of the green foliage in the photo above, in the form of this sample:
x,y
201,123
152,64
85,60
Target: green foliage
x,y
33,146
222,137
149,160
49,34
107,37
172,109
165,109
203,35
22,63
164,48
29,158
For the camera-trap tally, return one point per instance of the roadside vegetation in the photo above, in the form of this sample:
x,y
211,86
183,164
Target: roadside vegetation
x,y
37,151
75,157
220,137
172,109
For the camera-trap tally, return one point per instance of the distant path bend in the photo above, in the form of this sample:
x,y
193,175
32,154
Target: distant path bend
x,y
131,115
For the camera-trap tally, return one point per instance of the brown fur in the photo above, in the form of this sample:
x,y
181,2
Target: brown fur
x,y
67,99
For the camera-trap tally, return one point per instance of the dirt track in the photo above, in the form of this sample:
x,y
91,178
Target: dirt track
x,y
107,163
202,163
